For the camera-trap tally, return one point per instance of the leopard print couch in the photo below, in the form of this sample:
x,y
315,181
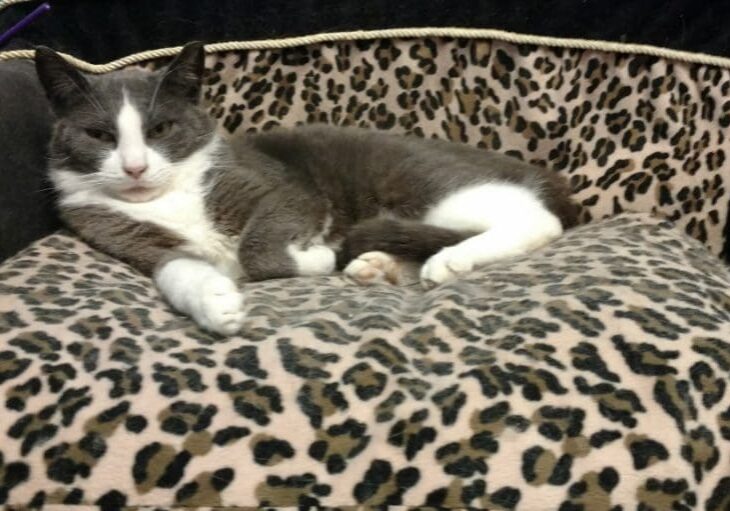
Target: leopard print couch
x,y
591,375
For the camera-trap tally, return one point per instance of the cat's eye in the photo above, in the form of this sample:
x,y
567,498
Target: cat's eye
x,y
103,136
159,130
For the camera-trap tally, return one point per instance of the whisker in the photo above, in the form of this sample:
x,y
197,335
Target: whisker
x,y
49,189
153,102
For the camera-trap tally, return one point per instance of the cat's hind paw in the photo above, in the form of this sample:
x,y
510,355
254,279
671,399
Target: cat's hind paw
x,y
220,308
373,268
446,265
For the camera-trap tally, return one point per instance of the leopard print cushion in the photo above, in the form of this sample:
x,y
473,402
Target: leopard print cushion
x,y
630,132
589,375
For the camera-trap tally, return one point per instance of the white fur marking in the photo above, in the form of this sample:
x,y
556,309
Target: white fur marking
x,y
199,290
513,219
130,144
476,208
314,260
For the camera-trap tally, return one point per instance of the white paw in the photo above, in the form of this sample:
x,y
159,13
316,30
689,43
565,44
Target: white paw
x,y
373,268
446,265
220,306
314,260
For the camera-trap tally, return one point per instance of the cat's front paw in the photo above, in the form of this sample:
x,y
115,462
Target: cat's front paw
x,y
372,268
220,307
446,265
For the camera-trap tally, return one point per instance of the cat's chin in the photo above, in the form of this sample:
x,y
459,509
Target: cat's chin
x,y
140,193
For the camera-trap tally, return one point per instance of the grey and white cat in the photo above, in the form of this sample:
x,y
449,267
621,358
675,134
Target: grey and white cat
x,y
142,175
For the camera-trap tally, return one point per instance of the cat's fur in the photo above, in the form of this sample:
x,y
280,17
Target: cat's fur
x,y
142,175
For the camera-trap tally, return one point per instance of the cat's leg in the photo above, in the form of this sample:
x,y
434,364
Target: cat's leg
x,y
514,221
197,288
192,286
284,237
391,250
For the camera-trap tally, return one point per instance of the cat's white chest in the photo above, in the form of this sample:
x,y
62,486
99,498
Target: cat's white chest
x,y
182,211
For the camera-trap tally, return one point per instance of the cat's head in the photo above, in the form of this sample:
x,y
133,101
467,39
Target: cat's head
x,y
127,133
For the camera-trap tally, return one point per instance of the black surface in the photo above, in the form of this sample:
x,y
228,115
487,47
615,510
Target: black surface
x,y
102,30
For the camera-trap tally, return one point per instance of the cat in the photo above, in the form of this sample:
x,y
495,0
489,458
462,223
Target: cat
x,y
142,175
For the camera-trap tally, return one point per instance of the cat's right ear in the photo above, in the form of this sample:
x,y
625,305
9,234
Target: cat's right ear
x,y
63,83
184,75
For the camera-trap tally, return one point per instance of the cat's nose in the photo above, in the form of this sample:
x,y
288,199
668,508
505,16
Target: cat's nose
x,y
135,171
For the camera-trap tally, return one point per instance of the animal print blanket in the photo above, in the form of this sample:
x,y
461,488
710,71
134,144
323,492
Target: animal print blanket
x,y
587,376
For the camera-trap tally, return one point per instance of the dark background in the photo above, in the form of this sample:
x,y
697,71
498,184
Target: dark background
x,y
103,30
99,31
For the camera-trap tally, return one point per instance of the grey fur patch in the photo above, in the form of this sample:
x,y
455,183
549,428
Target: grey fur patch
x,y
143,245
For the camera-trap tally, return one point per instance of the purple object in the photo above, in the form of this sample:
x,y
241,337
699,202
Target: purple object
x,y
30,18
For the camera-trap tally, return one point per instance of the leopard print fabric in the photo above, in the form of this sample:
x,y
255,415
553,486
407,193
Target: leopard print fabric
x,y
631,132
588,376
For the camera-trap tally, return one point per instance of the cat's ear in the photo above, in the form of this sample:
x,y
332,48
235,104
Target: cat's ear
x,y
63,83
184,76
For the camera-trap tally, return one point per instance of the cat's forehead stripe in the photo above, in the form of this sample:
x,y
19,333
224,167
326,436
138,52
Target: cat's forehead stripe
x,y
131,144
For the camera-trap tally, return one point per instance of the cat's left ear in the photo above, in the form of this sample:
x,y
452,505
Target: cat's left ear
x,y
184,76
64,84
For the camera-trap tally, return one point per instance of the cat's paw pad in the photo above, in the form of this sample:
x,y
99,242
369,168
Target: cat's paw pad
x,y
372,268
221,306
445,265
314,260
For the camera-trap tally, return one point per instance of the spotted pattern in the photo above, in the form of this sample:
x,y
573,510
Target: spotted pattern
x,y
588,376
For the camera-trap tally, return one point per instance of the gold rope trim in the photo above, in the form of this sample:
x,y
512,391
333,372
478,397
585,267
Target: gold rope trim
x,y
466,33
